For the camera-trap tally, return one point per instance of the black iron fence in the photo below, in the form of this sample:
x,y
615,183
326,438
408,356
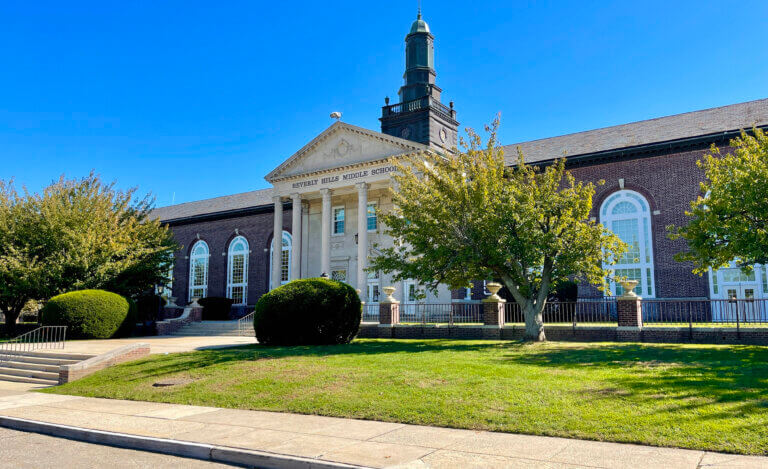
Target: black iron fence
x,y
734,312
681,312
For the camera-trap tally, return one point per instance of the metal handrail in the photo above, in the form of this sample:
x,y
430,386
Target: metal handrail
x,y
245,323
42,338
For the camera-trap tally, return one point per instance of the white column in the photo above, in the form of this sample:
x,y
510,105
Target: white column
x,y
296,232
325,250
277,241
362,238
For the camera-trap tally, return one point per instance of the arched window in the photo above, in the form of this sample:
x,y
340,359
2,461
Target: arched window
x,y
198,270
237,271
628,215
285,259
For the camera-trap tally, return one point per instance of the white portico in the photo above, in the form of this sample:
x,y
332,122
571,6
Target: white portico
x,y
335,184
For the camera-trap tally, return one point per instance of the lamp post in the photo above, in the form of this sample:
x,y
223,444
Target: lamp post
x,y
160,289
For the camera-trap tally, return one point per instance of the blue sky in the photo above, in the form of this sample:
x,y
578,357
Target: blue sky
x,y
190,100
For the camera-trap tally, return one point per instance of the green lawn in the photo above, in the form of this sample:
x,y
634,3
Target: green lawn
x,y
692,396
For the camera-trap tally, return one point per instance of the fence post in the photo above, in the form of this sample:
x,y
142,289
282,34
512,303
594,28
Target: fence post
x,y
493,306
629,309
690,322
389,313
575,312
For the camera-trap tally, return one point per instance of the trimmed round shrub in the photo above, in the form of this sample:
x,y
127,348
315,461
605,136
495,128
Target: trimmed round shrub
x,y
313,311
90,314
216,308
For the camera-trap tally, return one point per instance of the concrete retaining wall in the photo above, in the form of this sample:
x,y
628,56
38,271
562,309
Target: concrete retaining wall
x,y
84,368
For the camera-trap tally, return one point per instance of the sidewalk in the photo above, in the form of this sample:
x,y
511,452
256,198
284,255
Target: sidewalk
x,y
158,344
356,442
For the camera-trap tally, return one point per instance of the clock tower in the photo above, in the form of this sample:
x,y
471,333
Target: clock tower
x,y
420,116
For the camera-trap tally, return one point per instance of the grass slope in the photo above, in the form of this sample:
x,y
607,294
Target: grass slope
x,y
692,396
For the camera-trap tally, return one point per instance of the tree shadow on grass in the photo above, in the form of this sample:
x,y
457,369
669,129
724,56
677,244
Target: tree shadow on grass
x,y
692,376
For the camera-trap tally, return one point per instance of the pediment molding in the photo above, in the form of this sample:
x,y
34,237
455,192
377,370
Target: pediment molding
x,y
338,151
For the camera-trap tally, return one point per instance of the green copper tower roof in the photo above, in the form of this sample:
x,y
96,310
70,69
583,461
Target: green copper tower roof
x,y
419,26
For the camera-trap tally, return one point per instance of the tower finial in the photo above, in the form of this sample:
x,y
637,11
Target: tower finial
x,y
418,15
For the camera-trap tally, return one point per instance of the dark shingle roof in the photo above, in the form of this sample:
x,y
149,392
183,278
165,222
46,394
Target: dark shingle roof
x,y
217,204
663,129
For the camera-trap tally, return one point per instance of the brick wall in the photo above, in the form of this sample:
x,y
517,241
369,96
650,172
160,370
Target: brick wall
x,y
702,335
669,183
257,229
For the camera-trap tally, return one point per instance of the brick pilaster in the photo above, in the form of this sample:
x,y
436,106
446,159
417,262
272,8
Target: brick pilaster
x,y
630,311
493,306
630,319
389,313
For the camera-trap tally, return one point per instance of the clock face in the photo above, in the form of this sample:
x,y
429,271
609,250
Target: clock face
x,y
405,132
443,135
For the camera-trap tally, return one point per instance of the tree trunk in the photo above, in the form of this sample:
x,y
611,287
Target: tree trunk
x,y
534,323
11,317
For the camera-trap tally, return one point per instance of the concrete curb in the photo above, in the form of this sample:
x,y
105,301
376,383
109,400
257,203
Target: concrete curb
x,y
213,453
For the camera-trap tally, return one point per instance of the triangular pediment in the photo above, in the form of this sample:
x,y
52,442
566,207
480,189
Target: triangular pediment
x,y
342,145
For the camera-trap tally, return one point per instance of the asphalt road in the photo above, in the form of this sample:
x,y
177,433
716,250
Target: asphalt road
x,y
32,450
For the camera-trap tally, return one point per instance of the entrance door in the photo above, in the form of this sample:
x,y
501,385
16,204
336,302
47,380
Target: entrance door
x,y
410,299
737,294
741,303
373,291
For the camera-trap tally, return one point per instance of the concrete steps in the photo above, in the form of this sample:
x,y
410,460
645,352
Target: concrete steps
x,y
209,328
36,367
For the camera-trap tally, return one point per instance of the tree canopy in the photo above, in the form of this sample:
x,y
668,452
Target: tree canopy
x,y
464,216
729,220
78,234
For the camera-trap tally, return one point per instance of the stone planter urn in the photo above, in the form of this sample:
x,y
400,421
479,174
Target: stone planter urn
x,y
194,303
629,288
388,291
171,301
494,288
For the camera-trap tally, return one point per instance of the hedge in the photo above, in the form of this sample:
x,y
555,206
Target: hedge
x,y
314,311
90,314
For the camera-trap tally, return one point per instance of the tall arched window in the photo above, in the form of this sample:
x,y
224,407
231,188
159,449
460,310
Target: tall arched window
x,y
285,259
198,270
628,215
237,271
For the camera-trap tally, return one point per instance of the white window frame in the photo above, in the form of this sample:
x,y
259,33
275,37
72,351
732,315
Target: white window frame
x,y
168,287
717,278
372,281
286,236
230,268
486,292
375,216
343,220
333,271
644,235
468,294
193,258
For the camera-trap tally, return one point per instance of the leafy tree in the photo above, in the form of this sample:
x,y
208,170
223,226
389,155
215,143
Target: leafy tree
x,y
464,216
78,234
730,220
